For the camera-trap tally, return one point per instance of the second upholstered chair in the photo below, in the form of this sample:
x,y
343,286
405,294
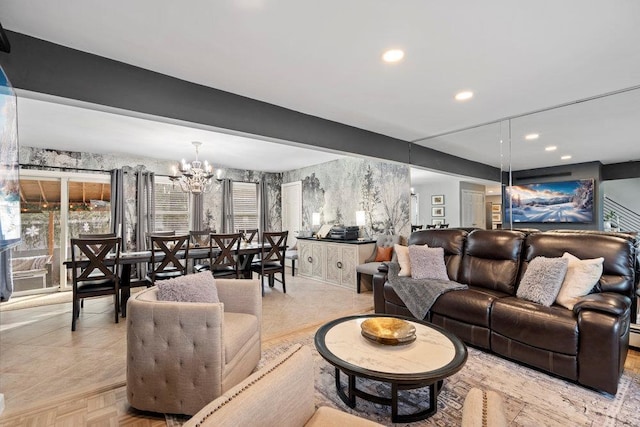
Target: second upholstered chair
x,y
383,248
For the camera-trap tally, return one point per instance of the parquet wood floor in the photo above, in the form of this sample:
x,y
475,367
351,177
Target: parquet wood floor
x,y
46,382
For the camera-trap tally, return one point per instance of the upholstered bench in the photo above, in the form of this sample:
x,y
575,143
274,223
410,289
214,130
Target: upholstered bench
x,y
280,394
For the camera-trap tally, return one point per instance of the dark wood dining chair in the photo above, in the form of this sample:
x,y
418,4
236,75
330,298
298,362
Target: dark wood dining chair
x,y
169,256
157,233
272,258
200,239
249,234
223,255
416,228
94,272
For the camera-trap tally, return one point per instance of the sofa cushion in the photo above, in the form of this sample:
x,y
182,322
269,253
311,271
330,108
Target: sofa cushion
x,y
542,280
471,305
326,416
492,259
549,328
402,253
581,277
199,287
427,263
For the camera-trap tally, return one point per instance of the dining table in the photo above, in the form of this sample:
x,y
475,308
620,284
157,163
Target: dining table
x,y
127,260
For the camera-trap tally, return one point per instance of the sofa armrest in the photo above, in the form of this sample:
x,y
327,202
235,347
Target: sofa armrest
x,y
281,393
240,296
604,302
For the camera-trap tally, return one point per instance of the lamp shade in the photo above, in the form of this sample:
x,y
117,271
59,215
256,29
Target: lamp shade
x,y
360,218
315,218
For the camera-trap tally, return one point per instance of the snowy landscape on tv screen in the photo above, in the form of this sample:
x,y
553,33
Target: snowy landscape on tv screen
x,y
566,201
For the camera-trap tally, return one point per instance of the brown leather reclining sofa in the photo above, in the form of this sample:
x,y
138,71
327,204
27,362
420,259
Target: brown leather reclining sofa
x,y
587,345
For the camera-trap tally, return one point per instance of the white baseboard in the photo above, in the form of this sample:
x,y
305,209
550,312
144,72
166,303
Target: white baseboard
x,y
634,336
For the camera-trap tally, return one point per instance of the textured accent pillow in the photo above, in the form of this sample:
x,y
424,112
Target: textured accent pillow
x,y
542,280
427,263
582,275
384,254
403,259
199,287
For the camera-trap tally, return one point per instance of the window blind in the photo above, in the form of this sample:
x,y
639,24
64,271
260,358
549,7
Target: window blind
x,y
245,205
172,209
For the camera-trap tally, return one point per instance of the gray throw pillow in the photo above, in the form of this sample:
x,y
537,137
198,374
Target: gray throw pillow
x,y
427,263
199,287
542,280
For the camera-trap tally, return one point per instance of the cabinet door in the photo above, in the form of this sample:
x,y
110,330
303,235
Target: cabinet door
x,y
334,264
305,258
349,262
316,260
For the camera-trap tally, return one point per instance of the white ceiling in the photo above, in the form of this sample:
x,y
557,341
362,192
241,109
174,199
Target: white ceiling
x,y
323,58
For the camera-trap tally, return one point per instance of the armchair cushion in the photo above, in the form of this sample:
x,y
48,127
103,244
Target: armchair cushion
x,y
199,287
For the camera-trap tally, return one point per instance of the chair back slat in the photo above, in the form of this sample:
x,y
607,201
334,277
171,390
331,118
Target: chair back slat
x,y
201,238
168,252
223,251
248,234
274,246
95,258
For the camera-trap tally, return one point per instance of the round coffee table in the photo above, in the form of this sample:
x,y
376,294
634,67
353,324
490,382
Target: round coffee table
x,y
435,355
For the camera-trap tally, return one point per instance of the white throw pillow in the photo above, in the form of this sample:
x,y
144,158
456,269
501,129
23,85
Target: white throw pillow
x,y
402,252
582,275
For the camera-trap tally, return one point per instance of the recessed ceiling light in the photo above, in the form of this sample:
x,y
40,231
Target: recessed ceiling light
x,y
550,148
393,55
532,136
463,96
565,157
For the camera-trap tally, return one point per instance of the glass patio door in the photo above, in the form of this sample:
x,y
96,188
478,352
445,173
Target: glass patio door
x,y
55,207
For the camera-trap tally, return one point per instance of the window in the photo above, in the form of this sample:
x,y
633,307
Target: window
x,y
245,205
172,208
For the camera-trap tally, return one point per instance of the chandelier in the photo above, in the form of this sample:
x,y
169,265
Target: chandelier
x,y
196,176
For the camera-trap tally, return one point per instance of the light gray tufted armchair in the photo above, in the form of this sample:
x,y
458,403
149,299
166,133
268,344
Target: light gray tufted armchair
x,y
370,266
182,355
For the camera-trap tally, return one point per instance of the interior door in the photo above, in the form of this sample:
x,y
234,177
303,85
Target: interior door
x,y
292,210
473,209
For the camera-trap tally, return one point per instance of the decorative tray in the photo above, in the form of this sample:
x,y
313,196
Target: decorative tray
x,y
388,330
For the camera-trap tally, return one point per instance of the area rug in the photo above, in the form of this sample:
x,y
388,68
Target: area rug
x,y
531,398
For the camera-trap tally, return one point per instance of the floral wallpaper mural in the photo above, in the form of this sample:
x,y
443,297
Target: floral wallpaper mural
x,y
337,189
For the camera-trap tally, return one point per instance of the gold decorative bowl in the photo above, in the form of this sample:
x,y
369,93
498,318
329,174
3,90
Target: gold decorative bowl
x,y
388,330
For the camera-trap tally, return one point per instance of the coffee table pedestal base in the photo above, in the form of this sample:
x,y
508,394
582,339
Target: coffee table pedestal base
x,y
349,398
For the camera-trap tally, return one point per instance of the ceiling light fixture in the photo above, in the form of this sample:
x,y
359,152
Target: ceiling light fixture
x,y
393,55
532,136
196,177
565,157
464,95
550,148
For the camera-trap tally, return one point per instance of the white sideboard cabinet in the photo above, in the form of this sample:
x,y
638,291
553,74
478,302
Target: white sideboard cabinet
x,y
333,261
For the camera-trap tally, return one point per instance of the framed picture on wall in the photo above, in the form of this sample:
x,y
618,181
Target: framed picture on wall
x,y
496,217
437,211
437,200
438,221
496,208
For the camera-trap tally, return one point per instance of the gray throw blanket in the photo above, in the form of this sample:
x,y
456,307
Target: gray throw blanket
x,y
419,294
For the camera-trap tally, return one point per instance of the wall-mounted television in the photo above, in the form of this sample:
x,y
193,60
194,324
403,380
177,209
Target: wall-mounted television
x,y
9,179
550,202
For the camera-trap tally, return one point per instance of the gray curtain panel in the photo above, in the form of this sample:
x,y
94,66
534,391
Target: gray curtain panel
x,y
227,206
6,277
263,206
118,217
196,217
145,182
